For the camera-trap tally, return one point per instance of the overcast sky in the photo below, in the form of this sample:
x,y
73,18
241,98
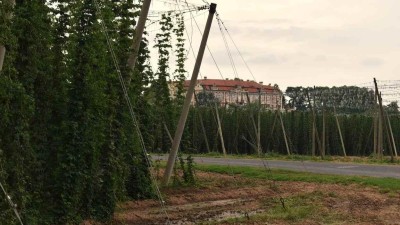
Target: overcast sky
x,y
303,42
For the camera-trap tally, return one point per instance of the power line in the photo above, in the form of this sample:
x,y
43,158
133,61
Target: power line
x,y
227,48
201,33
237,49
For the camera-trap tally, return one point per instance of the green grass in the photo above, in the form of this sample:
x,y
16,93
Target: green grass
x,y
384,184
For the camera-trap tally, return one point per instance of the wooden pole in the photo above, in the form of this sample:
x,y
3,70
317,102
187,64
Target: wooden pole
x,y
220,130
391,134
313,137
384,122
236,131
259,124
284,133
380,134
258,149
167,130
314,131
202,126
189,94
375,125
7,16
323,148
340,132
273,128
138,37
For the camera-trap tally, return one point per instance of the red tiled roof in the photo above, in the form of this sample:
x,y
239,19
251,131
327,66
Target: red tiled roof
x,y
227,85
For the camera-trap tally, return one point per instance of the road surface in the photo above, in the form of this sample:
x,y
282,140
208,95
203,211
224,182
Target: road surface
x,y
372,170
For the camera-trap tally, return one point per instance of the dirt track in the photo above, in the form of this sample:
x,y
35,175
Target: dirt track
x,y
221,197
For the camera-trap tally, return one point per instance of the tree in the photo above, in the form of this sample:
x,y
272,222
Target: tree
x,y
346,99
206,98
393,107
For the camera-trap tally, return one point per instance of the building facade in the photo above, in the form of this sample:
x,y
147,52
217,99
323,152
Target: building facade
x,y
237,92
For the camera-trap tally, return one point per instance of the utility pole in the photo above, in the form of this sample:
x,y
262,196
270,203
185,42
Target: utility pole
x,y
7,16
375,125
391,134
384,122
254,126
284,132
220,130
138,38
259,124
323,148
188,98
340,132
202,125
314,126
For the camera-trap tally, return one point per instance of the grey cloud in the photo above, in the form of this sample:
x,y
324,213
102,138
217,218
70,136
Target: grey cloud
x,y
320,58
271,21
272,59
372,61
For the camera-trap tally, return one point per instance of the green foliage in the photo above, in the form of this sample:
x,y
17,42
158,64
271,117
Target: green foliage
x,y
206,99
240,138
346,99
390,184
68,151
187,169
184,171
137,184
180,58
392,108
16,157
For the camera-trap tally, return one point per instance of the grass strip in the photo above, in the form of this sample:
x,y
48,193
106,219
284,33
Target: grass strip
x,y
384,184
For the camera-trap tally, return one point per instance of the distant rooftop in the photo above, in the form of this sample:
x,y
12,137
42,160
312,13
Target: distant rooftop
x,y
227,85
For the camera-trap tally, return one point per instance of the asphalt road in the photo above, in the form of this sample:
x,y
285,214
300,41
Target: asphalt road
x,y
372,170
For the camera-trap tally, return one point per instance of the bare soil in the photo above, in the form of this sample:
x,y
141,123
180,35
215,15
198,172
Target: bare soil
x,y
221,198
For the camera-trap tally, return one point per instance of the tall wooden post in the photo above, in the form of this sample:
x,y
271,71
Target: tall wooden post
x,y
384,122
323,147
220,130
313,138
272,130
7,17
391,134
340,132
259,124
138,37
314,126
254,126
375,125
188,98
202,125
380,134
284,133
168,133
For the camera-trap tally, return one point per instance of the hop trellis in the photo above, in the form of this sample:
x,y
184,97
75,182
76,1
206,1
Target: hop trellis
x,y
390,89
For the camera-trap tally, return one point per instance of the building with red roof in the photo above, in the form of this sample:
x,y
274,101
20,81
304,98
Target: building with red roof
x,y
238,92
